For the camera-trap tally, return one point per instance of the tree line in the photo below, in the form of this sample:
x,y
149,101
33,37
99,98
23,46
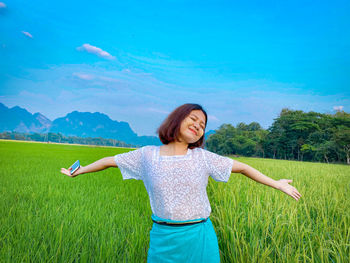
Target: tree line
x,y
294,135
59,138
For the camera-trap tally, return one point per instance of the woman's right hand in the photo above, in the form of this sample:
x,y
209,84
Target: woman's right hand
x,y
67,171
284,186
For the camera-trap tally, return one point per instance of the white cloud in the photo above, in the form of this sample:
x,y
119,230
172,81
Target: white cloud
x,y
97,79
27,34
2,5
84,76
338,108
95,50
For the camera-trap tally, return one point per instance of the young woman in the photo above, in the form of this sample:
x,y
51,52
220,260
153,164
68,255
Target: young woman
x,y
176,176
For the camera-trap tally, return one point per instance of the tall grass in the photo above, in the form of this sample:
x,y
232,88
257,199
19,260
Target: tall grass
x,y
256,223
48,217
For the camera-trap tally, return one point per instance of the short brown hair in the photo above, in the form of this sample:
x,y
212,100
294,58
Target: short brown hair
x,y
170,128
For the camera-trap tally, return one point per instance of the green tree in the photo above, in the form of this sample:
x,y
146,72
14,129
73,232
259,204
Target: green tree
x,y
341,138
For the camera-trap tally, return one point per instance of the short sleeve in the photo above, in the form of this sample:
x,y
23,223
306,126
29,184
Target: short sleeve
x,y
219,167
130,164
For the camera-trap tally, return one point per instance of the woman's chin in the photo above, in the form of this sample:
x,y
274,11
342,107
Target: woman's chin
x,y
192,140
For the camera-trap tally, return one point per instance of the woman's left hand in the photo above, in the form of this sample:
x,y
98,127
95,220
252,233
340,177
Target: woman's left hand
x,y
285,187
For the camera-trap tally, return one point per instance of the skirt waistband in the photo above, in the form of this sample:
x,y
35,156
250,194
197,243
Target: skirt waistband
x,y
179,224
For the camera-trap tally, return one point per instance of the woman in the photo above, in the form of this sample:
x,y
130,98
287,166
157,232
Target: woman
x,y
175,176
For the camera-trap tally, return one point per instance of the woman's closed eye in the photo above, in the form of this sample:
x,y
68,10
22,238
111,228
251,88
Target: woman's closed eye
x,y
201,127
194,119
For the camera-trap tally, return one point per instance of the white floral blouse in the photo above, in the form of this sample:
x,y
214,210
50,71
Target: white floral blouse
x,y
177,184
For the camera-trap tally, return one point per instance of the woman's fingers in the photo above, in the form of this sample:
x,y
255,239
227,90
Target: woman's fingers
x,y
66,171
296,195
289,189
296,192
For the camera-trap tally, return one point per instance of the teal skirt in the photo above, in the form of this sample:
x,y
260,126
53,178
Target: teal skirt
x,y
192,243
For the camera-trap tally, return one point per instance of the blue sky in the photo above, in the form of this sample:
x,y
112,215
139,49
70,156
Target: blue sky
x,y
137,60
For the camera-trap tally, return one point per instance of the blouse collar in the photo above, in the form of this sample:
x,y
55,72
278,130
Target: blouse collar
x,y
186,156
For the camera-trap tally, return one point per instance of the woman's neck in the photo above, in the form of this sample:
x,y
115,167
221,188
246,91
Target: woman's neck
x,y
174,148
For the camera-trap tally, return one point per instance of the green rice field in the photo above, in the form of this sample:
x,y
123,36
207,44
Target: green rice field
x,y
46,216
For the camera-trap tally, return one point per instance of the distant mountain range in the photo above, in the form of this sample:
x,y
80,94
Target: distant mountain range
x,y
80,124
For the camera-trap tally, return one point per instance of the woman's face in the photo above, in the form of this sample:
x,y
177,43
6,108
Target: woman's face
x,y
192,127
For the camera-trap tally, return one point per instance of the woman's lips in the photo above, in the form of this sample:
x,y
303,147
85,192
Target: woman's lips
x,y
192,131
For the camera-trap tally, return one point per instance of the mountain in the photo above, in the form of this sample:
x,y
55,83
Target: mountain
x,y
86,124
80,124
45,122
20,120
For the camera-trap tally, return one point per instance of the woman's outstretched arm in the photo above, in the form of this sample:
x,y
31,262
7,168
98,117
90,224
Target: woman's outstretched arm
x,y
94,167
257,176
